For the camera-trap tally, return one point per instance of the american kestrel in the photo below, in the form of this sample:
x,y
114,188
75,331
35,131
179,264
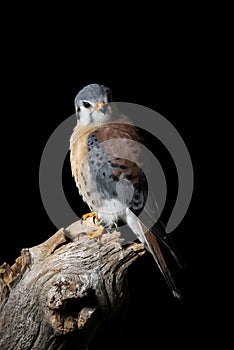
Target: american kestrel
x,y
108,173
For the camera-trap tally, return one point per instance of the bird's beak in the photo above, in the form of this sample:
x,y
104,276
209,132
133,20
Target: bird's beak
x,y
100,106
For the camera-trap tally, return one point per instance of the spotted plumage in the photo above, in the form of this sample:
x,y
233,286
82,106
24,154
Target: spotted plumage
x,y
108,162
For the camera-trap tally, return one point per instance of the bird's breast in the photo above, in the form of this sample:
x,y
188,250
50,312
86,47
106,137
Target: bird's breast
x,y
81,160
106,164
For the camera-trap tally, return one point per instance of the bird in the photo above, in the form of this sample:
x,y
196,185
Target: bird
x,y
107,164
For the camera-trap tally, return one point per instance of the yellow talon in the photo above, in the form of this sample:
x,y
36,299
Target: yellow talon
x,y
89,215
98,233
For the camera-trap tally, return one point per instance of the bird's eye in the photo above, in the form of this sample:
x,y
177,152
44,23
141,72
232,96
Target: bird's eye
x,y
86,104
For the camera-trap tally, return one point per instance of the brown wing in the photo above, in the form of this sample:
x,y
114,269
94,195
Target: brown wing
x,y
116,162
123,144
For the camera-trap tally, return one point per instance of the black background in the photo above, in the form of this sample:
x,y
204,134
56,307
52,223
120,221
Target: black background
x,y
180,76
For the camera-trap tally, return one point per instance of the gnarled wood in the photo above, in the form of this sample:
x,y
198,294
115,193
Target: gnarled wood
x,y
57,293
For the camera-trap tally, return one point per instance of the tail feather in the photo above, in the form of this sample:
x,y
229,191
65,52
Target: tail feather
x,y
150,239
159,231
154,248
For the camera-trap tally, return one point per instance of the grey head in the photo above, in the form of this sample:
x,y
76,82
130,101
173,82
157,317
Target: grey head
x,y
92,104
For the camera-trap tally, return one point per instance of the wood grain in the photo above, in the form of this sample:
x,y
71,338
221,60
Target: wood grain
x,y
57,293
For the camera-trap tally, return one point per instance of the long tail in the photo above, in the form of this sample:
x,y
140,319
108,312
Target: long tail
x,y
159,231
153,247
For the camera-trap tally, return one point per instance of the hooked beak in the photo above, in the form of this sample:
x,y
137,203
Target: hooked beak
x,y
100,106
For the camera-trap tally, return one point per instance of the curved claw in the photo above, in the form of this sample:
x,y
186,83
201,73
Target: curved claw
x,y
92,214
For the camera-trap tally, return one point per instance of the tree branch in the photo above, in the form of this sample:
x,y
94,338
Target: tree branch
x,y
57,293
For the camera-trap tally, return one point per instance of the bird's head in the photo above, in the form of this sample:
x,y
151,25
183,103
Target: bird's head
x,y
92,105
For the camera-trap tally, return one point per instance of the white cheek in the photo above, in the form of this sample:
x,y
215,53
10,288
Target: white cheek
x,y
84,117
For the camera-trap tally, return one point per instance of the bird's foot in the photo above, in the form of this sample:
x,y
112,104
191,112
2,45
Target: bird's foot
x,y
102,226
92,214
97,233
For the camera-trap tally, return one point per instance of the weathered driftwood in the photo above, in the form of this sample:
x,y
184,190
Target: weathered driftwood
x,y
57,293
